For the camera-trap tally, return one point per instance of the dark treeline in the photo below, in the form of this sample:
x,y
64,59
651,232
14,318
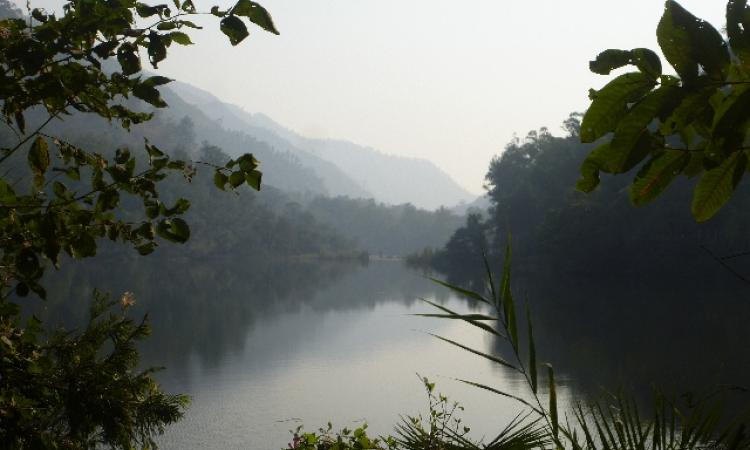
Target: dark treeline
x,y
623,295
558,230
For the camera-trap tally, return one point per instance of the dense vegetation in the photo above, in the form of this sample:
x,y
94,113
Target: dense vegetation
x,y
558,230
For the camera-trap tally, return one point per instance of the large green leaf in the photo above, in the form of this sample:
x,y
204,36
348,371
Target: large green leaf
x,y
589,179
609,60
253,179
717,185
646,60
689,43
234,28
675,43
656,175
630,143
38,157
609,104
256,13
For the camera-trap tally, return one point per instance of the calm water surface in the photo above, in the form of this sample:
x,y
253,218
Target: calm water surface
x,y
265,348
347,352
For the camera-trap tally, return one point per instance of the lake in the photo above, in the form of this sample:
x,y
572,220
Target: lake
x,y
267,347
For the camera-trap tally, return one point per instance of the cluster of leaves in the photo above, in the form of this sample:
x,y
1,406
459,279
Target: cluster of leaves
x,y
693,124
61,64
345,439
616,424
80,390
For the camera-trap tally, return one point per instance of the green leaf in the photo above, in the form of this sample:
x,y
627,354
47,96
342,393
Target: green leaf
x,y
717,185
532,351
509,309
688,42
27,263
234,28
236,179
157,49
253,179
738,28
731,115
656,175
690,108
493,358
470,294
553,401
7,194
180,38
631,141
609,60
647,62
156,80
609,104
454,315
145,10
149,94
676,44
220,180
503,393
59,189
589,179
127,56
174,230
146,249
38,157
256,13
83,246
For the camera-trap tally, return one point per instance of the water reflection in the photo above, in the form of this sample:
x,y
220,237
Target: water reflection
x,y
262,346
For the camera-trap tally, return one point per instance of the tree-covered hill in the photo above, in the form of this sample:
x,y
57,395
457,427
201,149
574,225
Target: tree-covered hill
x,y
556,229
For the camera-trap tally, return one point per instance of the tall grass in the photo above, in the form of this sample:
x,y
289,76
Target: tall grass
x,y
612,423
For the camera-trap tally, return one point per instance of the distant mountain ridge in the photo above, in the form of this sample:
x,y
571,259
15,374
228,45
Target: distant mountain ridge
x,y
344,167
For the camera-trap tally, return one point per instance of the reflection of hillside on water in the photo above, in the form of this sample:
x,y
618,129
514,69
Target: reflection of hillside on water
x,y
207,310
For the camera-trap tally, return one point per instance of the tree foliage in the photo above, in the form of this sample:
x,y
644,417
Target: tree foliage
x,y
694,124
56,197
83,390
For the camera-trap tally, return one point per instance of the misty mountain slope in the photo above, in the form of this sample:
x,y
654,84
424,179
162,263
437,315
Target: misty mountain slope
x,y
336,181
389,178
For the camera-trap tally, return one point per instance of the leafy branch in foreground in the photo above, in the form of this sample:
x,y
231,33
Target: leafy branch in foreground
x,y
613,424
84,391
695,123
56,197
80,390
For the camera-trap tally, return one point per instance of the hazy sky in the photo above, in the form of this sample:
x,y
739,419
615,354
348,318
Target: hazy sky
x,y
444,80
